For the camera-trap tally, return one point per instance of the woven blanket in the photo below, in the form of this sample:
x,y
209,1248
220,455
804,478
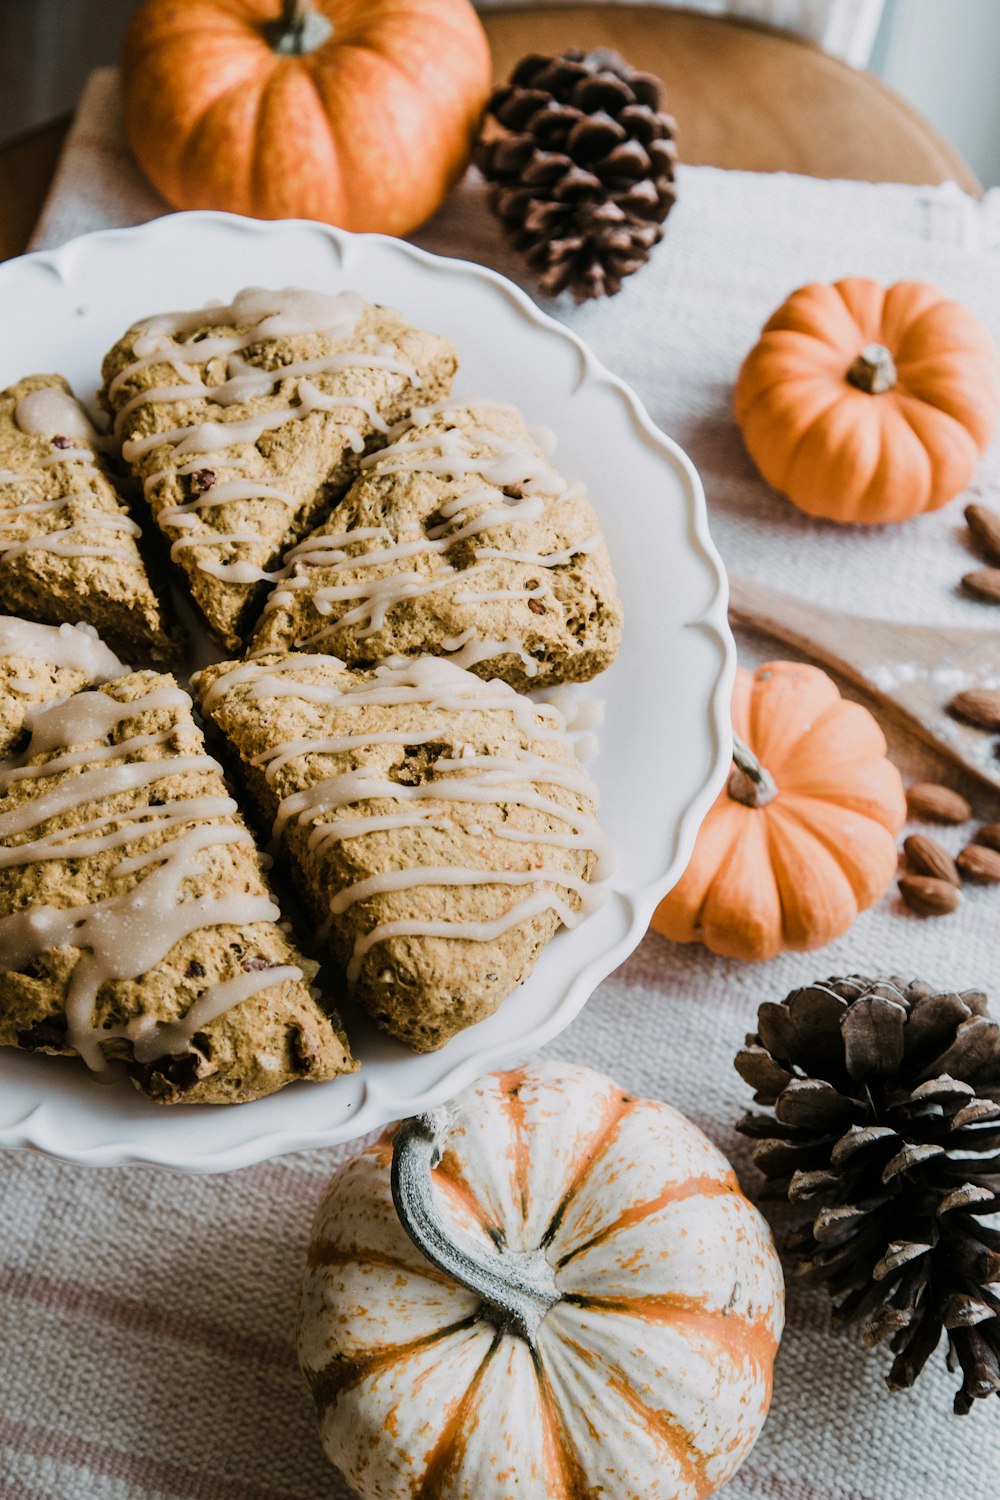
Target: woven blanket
x,y
146,1319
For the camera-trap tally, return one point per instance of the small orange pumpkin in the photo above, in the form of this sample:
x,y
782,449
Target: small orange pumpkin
x,y
357,112
803,836
864,403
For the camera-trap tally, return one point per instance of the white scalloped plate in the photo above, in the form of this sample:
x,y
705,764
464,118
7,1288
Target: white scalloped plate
x,y
665,740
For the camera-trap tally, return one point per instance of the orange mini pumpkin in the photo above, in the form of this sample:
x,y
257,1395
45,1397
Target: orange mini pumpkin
x,y
357,112
803,836
863,403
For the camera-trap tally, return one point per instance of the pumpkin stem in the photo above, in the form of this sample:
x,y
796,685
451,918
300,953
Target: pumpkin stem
x,y
749,782
874,370
516,1288
301,29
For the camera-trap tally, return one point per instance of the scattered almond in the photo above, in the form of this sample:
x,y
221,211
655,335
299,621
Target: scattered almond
x,y
978,705
989,835
980,863
927,896
985,527
928,857
984,584
936,803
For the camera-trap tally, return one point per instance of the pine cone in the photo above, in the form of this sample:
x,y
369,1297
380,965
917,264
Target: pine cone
x,y
582,165
886,1101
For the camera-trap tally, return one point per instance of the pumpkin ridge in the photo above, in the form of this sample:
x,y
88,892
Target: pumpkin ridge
x,y
832,799
562,1459
785,832
203,123
690,1462
208,19
736,1335
819,414
736,835
838,851
259,157
846,438
801,754
449,1451
864,301
513,1106
675,1192
768,732
330,1382
766,396
326,1253
590,1153
729,924
449,1169
936,405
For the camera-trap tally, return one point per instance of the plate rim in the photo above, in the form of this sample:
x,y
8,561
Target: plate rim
x,y
375,1110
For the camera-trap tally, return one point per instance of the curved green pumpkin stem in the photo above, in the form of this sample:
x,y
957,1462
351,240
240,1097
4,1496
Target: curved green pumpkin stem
x,y
516,1288
749,782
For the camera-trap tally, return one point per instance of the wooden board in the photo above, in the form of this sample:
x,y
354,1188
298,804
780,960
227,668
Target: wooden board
x,y
27,165
912,670
745,96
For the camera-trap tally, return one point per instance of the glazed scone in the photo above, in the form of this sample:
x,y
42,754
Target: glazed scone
x,y
137,927
68,547
245,423
40,663
438,826
460,538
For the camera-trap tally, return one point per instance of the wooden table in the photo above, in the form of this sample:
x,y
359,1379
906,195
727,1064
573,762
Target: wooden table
x,y
743,96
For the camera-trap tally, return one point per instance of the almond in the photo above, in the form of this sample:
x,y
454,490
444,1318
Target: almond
x,y
985,527
927,896
980,863
978,705
928,857
989,835
936,803
984,584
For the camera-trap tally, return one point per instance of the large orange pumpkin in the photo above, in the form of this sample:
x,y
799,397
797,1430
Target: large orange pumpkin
x,y
863,403
357,112
803,836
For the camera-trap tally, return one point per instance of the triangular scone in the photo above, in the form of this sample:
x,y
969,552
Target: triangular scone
x,y
459,538
135,924
245,423
67,544
40,663
438,826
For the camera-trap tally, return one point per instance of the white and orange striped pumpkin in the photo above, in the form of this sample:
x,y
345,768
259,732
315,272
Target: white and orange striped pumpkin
x,y
549,1290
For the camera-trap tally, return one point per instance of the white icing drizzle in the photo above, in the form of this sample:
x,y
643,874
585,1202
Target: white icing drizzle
x,y
152,1039
51,413
61,542
123,936
76,647
518,485
267,315
468,649
519,779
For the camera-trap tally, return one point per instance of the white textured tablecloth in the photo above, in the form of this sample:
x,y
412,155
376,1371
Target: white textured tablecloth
x,y
146,1319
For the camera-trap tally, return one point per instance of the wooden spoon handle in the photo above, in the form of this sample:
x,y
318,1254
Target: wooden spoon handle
x,y
912,670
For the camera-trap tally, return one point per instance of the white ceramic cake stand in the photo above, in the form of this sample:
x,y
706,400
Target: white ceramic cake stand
x,y
664,744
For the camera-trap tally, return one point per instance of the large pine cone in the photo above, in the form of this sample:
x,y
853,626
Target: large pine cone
x,y
582,160
886,1099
